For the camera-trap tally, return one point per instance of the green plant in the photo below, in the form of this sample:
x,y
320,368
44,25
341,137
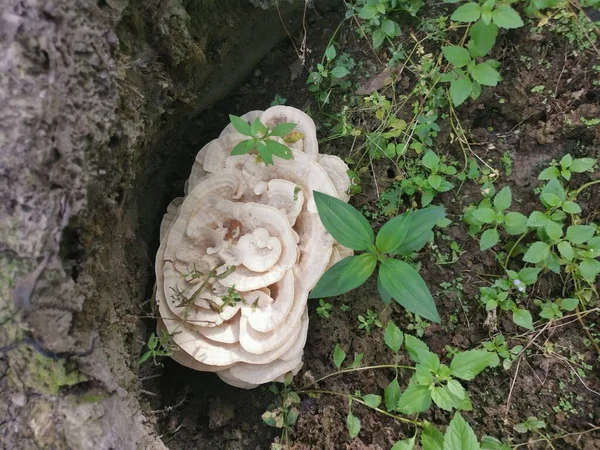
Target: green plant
x,y
161,345
324,308
283,414
375,13
566,167
499,346
436,181
437,382
403,235
552,310
367,323
331,73
490,214
467,76
260,139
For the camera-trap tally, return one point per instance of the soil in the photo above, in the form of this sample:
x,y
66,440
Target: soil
x,y
104,262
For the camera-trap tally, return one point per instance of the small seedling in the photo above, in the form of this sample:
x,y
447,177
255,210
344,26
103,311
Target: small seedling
x,y
260,139
324,308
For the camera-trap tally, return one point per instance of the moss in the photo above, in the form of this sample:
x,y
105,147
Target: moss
x,y
43,374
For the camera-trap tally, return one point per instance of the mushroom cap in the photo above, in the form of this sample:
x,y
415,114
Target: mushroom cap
x,y
241,251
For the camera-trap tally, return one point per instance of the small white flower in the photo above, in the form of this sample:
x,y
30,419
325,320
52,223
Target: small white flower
x,y
521,289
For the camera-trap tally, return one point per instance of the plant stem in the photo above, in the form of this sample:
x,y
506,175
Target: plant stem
x,y
358,369
416,423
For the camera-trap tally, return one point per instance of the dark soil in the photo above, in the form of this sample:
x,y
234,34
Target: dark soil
x,y
196,410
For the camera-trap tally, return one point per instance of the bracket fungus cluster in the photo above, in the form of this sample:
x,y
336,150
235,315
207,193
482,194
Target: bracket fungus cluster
x,y
241,251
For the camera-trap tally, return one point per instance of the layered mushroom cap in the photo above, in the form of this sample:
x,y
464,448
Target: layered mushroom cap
x,y
241,251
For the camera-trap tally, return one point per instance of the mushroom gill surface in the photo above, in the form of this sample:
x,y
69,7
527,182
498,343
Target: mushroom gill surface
x,y
240,252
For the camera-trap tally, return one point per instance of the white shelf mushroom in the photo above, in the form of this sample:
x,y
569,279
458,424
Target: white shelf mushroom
x,y
241,251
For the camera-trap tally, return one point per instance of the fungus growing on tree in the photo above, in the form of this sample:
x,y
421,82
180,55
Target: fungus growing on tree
x,y
241,251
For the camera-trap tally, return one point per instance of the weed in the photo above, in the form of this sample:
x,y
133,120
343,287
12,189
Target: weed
x,y
324,308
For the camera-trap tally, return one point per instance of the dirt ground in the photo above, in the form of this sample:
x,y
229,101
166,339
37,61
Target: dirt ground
x,y
197,411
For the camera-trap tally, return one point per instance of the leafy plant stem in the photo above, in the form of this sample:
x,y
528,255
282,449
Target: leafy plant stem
x,y
556,438
358,369
416,423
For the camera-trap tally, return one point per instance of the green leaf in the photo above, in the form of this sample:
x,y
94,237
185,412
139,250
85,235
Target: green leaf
x,y
415,399
554,187
391,394
467,365
529,275
435,181
385,295
503,199
485,74
372,400
485,215
407,287
353,425
537,219
257,127
569,304
506,17
459,394
579,234
378,38
392,336
264,154
389,28
549,173
240,125
422,221
393,233
515,223
144,357
415,347
405,444
522,317
566,250
459,435
339,72
589,268
483,38
431,160
430,361
330,53
488,239
571,207
339,355
442,398
460,89
457,56
469,12
279,150
243,147
537,252
566,161
580,165
368,12
432,438
345,275
345,223
553,230
550,199
282,129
